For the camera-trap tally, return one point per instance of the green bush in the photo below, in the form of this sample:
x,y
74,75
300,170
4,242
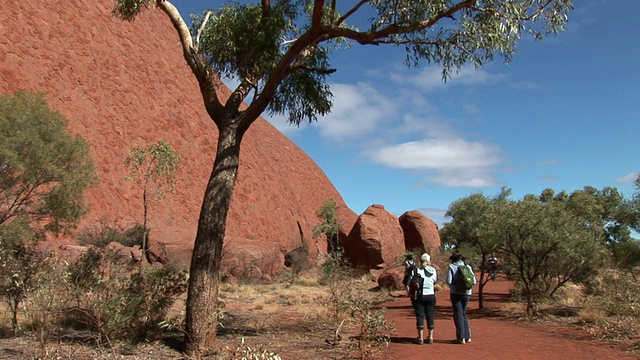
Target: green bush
x,y
615,295
119,302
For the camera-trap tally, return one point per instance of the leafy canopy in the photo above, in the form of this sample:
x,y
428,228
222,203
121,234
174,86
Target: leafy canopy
x,y
156,165
279,50
44,169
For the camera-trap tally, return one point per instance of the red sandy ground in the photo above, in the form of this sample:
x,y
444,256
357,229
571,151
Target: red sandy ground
x,y
493,337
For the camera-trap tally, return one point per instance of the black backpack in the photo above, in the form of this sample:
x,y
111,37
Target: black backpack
x,y
415,283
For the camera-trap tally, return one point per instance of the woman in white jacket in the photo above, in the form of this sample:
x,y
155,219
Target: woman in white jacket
x,y
424,300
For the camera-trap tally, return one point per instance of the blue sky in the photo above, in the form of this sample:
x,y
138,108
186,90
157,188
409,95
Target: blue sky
x,y
563,114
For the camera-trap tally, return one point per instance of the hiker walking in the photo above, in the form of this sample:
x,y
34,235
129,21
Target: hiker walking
x,y
460,292
423,279
493,266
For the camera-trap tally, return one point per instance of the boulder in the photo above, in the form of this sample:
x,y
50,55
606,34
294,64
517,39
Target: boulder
x,y
376,240
251,260
123,254
420,233
391,279
70,252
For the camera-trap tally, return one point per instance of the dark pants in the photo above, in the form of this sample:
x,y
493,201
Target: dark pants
x,y
423,306
459,303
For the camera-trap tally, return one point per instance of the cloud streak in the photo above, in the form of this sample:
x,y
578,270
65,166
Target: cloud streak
x,y
452,162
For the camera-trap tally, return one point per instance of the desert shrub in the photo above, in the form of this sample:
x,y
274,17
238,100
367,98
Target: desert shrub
x,y
47,298
351,305
103,234
613,302
119,302
20,262
373,330
336,268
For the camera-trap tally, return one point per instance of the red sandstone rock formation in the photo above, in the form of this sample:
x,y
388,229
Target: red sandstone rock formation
x,y
420,233
122,84
391,279
376,239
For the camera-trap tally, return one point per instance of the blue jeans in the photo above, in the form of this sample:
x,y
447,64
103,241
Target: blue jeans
x,y
423,307
459,303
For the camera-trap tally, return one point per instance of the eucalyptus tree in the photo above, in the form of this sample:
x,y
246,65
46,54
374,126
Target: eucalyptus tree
x,y
154,168
612,218
474,224
547,244
279,51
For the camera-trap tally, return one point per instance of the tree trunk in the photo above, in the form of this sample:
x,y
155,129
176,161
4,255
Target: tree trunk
x,y
202,296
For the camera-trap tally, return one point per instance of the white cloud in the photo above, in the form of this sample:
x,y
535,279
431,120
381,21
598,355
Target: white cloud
x,y
358,110
627,179
453,161
436,215
438,153
430,78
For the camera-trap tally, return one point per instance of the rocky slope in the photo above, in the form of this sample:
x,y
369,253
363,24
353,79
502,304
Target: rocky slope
x,y
122,84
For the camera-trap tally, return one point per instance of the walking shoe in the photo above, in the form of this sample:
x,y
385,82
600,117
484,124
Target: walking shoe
x,y
460,341
420,341
429,340
468,341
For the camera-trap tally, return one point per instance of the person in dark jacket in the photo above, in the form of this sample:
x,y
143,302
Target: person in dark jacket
x,y
459,299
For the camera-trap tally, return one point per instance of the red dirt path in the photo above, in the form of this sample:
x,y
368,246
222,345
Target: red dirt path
x,y
493,337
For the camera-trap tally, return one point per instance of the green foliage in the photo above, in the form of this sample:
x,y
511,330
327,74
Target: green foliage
x,y
240,42
104,234
44,170
336,268
129,9
473,229
20,262
350,303
47,299
614,296
155,167
119,303
547,245
329,225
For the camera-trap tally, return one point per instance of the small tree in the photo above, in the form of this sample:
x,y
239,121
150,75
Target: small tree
x,y
154,168
19,264
329,226
44,170
279,54
547,245
474,224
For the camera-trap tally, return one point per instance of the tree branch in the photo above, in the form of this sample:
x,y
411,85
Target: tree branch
x,y
207,16
199,67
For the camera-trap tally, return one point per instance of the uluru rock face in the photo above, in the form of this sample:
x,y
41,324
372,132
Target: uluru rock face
x,y
123,84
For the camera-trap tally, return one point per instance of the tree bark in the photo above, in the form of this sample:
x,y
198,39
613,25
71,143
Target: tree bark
x,y
202,296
